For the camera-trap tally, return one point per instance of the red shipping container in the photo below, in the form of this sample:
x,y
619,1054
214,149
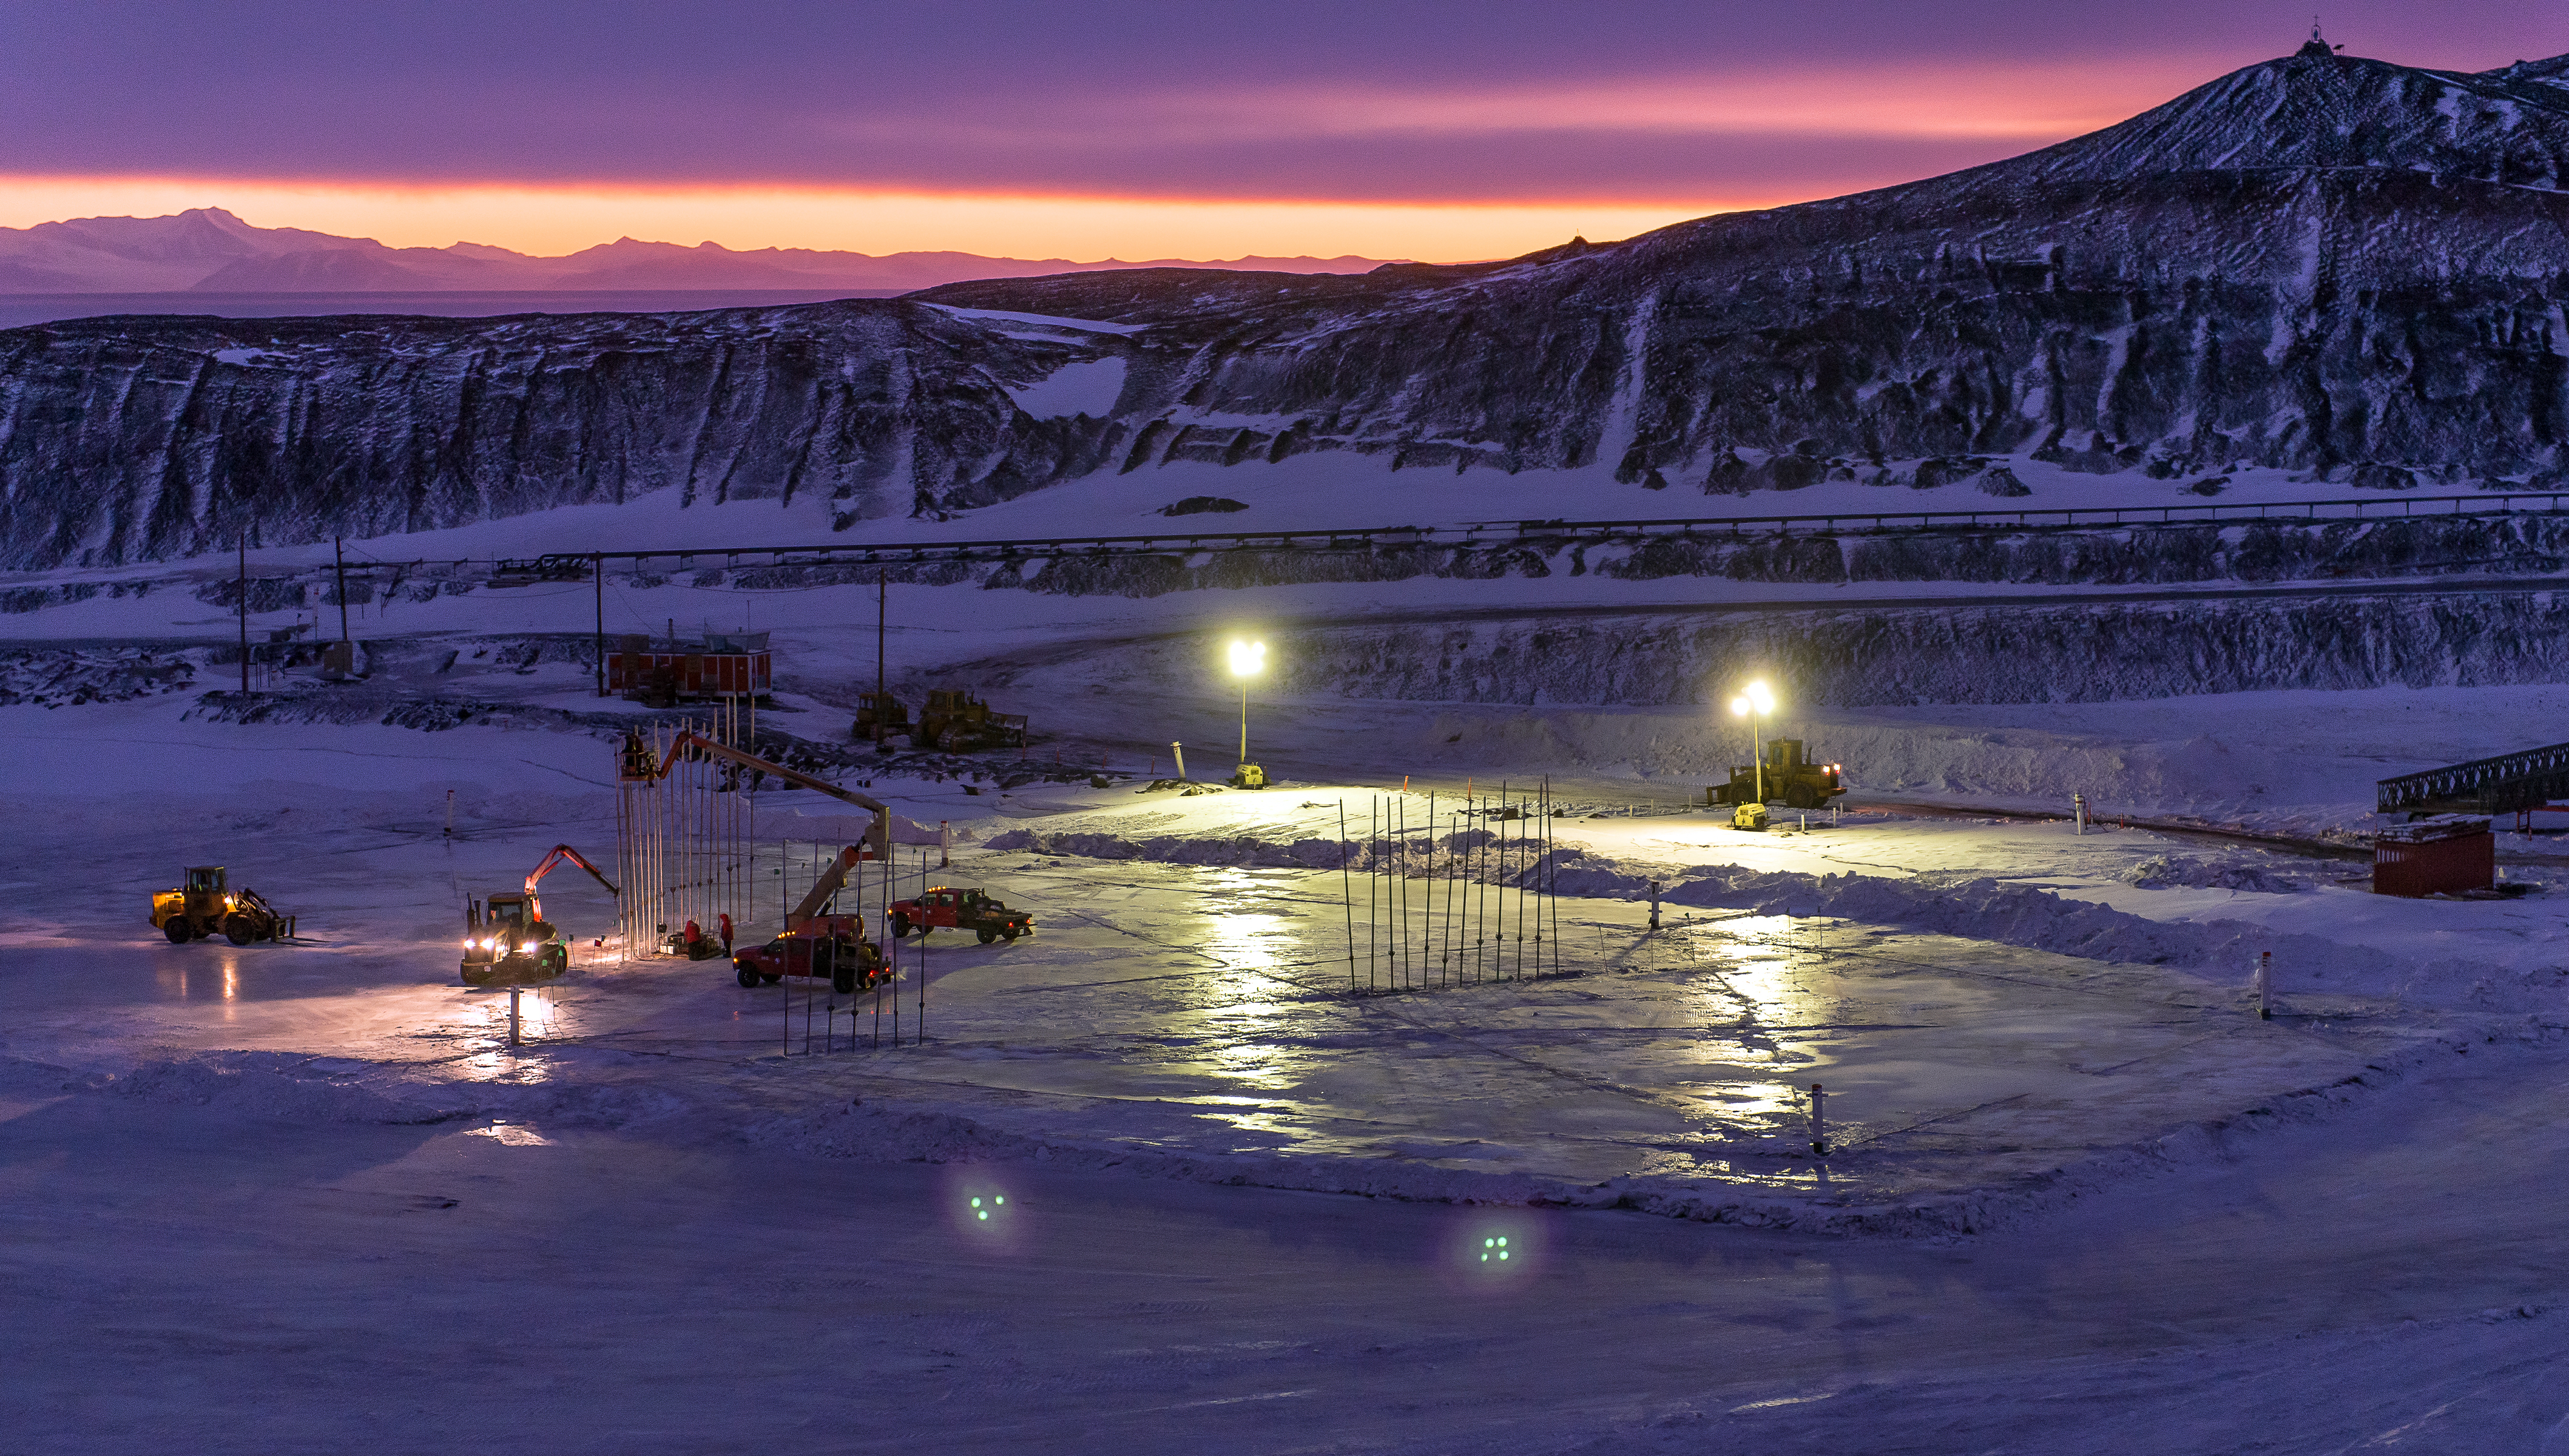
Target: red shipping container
x,y
699,674
2445,855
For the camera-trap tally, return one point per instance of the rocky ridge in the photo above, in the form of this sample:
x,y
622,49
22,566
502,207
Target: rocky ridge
x,y
2320,264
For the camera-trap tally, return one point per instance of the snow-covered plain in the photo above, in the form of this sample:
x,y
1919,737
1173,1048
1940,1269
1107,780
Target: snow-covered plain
x,y
2081,1198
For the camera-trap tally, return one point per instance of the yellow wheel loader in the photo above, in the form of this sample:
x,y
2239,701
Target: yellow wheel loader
x,y
207,905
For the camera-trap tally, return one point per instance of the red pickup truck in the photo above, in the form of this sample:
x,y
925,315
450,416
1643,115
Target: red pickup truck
x,y
830,946
945,907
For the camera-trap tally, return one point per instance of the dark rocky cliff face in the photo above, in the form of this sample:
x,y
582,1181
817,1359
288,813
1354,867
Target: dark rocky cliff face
x,y
2321,264
137,439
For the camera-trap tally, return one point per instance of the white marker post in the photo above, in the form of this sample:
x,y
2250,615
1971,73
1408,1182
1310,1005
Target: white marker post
x,y
2264,984
1178,752
513,1016
2078,811
1819,1123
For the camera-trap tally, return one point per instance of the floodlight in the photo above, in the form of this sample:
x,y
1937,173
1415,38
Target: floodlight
x,y
1248,660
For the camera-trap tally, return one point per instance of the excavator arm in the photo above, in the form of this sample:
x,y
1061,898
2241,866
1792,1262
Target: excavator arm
x,y
565,852
879,832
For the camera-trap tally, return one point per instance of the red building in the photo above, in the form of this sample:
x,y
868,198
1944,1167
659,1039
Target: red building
x,y
2439,856
721,666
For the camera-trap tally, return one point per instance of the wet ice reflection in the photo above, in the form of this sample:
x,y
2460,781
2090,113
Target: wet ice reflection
x,y
1245,1004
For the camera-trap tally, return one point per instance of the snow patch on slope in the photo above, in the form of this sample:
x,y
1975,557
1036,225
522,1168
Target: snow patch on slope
x,y
1089,388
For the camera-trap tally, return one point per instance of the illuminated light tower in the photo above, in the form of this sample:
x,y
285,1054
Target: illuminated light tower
x,y
1248,660
1755,702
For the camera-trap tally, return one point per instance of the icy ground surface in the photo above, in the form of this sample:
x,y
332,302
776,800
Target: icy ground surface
x,y
309,1199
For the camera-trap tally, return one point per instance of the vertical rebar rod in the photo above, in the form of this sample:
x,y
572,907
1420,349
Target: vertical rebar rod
x,y
922,956
1522,889
1401,887
1453,885
1552,892
1480,895
1427,889
1346,893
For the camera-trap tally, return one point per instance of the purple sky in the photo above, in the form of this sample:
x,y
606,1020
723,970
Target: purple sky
x,y
1180,99
1693,104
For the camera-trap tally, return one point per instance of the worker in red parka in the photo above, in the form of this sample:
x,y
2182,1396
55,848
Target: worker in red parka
x,y
725,923
694,939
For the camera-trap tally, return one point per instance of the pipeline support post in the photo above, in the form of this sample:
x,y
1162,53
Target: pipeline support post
x,y
1819,1123
597,572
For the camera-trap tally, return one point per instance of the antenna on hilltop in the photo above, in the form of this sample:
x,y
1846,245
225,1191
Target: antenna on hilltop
x,y
2318,44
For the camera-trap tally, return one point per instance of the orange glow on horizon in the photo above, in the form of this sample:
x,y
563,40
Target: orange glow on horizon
x,y
1997,110
556,220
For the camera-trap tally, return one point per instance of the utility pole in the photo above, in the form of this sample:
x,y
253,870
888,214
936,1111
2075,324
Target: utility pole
x,y
245,611
882,600
597,569
340,557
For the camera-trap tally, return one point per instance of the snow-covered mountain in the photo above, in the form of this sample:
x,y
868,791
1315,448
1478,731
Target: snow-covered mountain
x,y
2321,263
208,251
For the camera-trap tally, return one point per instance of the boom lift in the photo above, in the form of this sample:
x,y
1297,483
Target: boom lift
x,y
833,947
848,956
642,766
508,940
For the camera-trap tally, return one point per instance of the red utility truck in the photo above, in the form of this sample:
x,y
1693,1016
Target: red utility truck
x,y
945,907
832,947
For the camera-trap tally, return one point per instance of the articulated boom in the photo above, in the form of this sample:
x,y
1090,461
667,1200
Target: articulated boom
x,y
560,852
830,882
639,768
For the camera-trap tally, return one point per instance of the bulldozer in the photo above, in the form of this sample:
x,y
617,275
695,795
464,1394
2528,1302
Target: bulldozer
x,y
958,722
1782,774
880,716
508,940
206,905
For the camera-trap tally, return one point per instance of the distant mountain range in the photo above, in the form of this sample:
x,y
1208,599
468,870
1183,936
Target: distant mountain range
x,y
208,251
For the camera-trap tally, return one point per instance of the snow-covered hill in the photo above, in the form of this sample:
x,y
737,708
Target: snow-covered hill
x,y
2342,269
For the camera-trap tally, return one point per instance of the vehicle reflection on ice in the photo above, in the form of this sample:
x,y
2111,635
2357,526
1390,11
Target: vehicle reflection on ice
x,y
483,1026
